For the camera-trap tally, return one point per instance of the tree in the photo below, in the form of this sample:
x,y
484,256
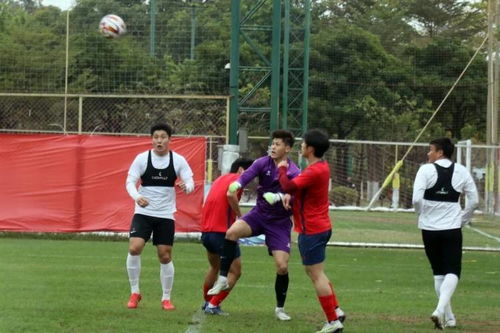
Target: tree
x,y
387,19
450,18
437,66
354,83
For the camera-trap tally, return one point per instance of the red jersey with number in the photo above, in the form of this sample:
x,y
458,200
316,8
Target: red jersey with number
x,y
311,203
217,215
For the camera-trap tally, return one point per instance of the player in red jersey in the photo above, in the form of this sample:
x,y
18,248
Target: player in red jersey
x,y
219,213
312,220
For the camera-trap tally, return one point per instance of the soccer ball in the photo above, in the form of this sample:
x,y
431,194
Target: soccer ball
x,y
112,26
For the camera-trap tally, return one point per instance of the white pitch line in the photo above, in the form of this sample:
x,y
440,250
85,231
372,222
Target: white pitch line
x,y
483,233
406,246
196,322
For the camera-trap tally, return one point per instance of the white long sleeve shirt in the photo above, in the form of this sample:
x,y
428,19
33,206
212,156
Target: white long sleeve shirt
x,y
439,215
161,199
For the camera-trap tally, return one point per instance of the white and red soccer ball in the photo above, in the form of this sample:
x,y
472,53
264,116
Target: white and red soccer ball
x,y
112,26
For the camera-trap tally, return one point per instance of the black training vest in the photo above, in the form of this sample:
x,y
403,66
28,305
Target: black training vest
x,y
159,177
442,190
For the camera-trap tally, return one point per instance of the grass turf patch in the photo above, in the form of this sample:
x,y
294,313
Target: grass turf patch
x,y
81,286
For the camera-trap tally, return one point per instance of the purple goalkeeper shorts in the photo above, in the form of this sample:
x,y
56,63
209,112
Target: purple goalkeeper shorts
x,y
276,230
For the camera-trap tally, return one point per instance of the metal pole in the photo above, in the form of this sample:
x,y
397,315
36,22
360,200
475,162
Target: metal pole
x,y
494,115
234,71
228,118
275,65
66,74
152,32
193,30
80,114
307,37
490,105
496,78
286,56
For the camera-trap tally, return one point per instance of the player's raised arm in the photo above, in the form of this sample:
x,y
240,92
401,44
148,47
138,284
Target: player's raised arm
x,y
246,177
287,184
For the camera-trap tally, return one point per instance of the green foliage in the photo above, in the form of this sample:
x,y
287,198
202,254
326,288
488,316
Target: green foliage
x,y
343,196
378,69
437,67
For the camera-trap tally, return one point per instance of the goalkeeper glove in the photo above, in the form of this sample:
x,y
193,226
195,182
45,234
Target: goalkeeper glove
x,y
273,198
234,186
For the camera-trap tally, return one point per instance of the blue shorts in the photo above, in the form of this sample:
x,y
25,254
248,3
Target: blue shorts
x,y
277,230
214,243
312,247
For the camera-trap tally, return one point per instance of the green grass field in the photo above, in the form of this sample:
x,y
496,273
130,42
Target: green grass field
x,y
69,283
391,227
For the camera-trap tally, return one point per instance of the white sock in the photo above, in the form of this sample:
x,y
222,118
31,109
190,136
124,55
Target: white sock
x,y
438,281
134,272
446,291
167,279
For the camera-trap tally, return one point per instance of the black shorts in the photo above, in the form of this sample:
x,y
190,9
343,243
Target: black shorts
x,y
214,243
444,250
163,230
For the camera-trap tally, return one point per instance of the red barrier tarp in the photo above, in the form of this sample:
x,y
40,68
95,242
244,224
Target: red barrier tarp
x,y
75,183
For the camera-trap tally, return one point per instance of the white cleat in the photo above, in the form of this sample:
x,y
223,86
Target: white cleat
x,y
220,284
438,320
340,314
450,322
332,327
281,314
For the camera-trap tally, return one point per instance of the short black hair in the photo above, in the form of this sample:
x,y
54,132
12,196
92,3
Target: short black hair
x,y
241,162
444,144
318,139
284,135
161,127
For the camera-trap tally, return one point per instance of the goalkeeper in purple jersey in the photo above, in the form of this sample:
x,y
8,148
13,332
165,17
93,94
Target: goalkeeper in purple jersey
x,y
271,220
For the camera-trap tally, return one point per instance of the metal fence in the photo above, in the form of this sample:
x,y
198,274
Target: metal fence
x,y
112,114
359,168
363,167
367,81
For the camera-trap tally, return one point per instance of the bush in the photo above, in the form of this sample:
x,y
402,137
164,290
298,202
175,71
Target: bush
x,y
343,196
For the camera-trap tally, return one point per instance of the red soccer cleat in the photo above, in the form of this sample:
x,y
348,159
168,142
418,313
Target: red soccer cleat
x,y
134,300
167,305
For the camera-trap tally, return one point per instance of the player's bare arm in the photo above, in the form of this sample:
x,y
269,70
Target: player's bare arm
x,y
232,199
287,199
